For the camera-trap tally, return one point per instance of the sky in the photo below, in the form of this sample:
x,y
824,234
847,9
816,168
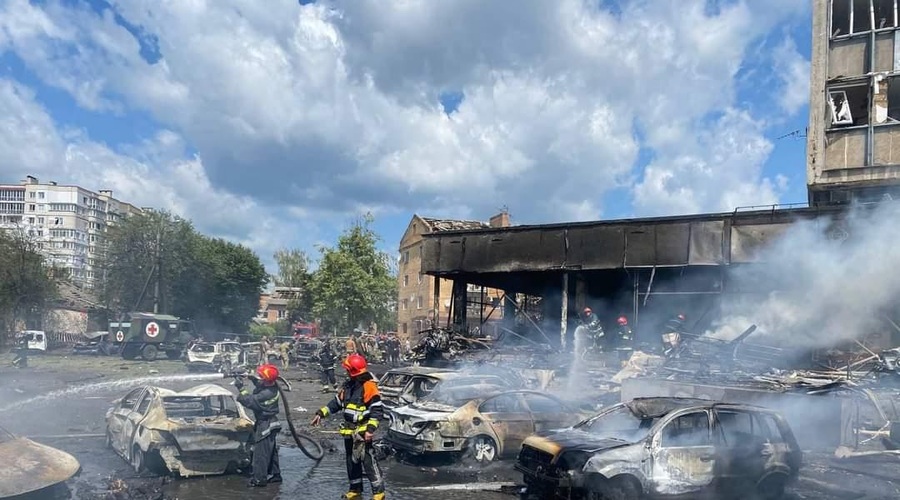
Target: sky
x,y
275,124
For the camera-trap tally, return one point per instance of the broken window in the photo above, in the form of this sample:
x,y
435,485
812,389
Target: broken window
x,y
840,17
849,106
687,430
884,14
861,16
893,97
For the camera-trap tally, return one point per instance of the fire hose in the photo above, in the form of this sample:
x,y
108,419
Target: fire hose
x,y
309,445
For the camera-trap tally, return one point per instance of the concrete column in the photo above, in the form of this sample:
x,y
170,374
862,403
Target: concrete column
x,y
564,319
436,303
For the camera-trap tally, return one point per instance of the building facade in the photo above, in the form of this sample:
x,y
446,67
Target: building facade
x,y
423,300
853,139
273,307
68,223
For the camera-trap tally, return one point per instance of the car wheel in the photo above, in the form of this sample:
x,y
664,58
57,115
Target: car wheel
x,y
483,449
615,489
137,460
149,352
772,487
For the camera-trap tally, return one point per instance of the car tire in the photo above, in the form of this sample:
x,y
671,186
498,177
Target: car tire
x,y
771,487
614,489
149,352
483,450
137,460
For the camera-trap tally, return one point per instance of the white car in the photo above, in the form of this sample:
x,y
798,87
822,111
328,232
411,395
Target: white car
x,y
197,432
218,356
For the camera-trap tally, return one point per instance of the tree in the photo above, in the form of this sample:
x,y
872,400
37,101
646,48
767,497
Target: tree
x,y
231,279
293,271
353,286
27,282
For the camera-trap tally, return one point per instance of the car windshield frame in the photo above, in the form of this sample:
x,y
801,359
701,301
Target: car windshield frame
x,y
639,432
185,403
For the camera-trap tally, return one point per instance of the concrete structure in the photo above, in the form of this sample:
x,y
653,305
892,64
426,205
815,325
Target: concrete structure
x,y
68,222
853,140
421,298
273,306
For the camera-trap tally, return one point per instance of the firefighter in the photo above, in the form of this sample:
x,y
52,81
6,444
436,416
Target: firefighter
x,y
671,337
284,352
595,329
350,346
624,338
263,402
360,402
326,359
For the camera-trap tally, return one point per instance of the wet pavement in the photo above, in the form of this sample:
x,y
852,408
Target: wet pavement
x,y
61,401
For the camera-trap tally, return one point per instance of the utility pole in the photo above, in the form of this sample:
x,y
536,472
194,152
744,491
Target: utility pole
x,y
158,273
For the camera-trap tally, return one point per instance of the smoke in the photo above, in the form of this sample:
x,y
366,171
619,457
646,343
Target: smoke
x,y
836,281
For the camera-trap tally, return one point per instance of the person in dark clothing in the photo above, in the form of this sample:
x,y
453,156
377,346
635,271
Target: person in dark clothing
x,y
360,402
263,402
326,359
624,338
596,335
671,337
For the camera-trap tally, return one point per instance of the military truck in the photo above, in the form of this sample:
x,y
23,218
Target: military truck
x,y
145,335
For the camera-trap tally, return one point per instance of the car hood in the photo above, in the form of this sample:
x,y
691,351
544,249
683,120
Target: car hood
x,y
428,411
29,466
573,439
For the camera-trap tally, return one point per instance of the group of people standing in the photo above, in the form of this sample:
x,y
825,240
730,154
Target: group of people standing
x,y
622,340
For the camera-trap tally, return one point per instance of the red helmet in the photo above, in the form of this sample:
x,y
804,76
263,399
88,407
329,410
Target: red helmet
x,y
355,365
267,373
681,316
587,310
623,321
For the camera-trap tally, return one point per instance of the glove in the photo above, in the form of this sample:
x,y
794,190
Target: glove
x,y
238,383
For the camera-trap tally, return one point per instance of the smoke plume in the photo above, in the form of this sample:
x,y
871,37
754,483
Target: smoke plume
x,y
836,281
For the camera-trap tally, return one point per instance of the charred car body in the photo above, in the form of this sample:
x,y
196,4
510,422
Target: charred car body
x,y
29,467
482,420
392,383
222,357
422,384
200,431
664,447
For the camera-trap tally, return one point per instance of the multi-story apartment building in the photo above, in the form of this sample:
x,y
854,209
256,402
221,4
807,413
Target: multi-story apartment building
x,y
67,222
416,291
853,140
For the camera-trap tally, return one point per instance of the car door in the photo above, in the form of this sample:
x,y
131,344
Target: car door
x,y
118,417
683,458
549,413
508,418
744,443
132,423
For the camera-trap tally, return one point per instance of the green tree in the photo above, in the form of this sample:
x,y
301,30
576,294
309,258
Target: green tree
x,y
293,271
147,262
231,278
353,285
27,282
261,330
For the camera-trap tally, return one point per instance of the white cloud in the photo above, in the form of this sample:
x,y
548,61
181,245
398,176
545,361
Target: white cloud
x,y
793,72
334,106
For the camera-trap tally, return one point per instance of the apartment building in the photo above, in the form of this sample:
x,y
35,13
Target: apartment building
x,y
853,140
416,291
67,222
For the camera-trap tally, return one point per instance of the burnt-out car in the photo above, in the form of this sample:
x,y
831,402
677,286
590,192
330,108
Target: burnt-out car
x,y
664,447
393,381
423,384
197,432
484,421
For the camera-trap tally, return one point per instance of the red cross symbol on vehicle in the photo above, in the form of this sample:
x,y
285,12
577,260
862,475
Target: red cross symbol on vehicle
x,y
151,329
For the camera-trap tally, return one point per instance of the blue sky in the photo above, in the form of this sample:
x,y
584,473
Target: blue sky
x,y
276,125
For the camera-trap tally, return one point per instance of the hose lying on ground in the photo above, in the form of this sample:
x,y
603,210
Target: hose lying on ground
x,y
307,444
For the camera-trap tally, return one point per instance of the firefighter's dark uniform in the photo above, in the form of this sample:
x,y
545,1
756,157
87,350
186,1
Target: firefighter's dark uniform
x,y
326,364
360,402
263,402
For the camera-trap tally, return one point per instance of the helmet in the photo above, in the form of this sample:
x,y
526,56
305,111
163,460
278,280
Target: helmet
x,y
681,316
355,365
267,373
587,310
623,321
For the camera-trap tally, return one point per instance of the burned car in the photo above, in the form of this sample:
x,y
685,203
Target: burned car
x,y
423,383
476,420
200,431
216,357
664,447
96,343
29,467
392,383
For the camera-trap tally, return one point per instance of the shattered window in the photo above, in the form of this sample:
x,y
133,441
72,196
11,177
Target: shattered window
x,y
395,379
687,430
737,429
840,17
506,403
849,106
207,348
542,404
199,406
145,404
884,14
130,399
861,16
619,423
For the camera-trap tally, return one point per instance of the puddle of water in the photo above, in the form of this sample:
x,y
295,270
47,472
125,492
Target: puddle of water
x,y
112,385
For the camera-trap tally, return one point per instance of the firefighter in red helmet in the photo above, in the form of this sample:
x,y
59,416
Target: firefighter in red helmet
x,y
263,402
624,338
360,402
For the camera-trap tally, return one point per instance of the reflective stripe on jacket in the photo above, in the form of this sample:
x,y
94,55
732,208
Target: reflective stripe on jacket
x,y
359,400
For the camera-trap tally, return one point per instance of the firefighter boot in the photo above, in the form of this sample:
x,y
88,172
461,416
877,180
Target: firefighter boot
x,y
352,495
378,496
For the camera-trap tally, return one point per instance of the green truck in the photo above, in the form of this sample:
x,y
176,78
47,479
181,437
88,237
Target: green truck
x,y
145,335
